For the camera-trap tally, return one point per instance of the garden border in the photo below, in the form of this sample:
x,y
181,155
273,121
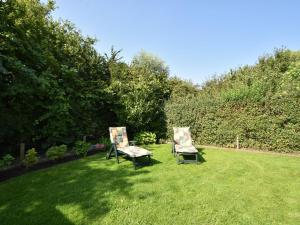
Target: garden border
x,y
20,169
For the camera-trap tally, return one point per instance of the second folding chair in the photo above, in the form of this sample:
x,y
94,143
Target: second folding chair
x,y
183,146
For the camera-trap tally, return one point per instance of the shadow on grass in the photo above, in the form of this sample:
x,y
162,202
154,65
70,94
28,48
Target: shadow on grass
x,y
141,161
78,192
200,150
151,147
200,153
192,157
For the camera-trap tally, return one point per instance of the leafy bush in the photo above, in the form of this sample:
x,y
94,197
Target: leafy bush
x,y
145,138
6,160
81,148
31,158
56,152
105,141
162,141
142,89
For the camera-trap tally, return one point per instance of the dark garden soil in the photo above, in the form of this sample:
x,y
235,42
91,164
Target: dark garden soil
x,y
20,169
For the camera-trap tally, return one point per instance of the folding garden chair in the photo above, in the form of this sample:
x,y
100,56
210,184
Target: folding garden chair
x,y
183,146
120,146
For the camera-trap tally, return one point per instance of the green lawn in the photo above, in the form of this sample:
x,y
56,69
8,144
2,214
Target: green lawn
x,y
226,188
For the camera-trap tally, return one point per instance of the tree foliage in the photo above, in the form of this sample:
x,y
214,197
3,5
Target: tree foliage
x,y
53,82
140,91
56,88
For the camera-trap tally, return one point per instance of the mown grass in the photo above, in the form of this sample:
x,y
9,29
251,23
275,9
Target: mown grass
x,y
226,188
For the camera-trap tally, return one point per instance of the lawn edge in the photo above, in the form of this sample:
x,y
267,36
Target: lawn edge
x,y
250,150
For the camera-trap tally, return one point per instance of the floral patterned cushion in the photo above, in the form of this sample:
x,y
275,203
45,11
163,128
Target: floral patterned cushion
x,y
118,136
185,149
182,136
134,151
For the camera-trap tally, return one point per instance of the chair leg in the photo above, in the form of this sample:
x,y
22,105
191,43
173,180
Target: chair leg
x,y
117,156
133,161
177,158
108,154
149,160
173,149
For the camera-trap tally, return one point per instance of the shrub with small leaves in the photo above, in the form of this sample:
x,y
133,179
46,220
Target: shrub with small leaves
x,y
145,138
106,142
31,158
81,148
8,159
56,152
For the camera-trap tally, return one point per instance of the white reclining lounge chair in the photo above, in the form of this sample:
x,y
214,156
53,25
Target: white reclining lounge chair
x,y
120,146
182,145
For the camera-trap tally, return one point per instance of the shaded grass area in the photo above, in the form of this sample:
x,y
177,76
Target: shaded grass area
x,y
226,188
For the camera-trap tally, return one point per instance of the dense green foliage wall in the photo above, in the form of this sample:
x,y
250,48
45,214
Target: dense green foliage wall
x,y
55,87
258,103
52,80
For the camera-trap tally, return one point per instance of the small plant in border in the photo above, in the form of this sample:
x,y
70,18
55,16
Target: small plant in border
x,y
105,141
31,158
56,152
6,160
145,138
81,148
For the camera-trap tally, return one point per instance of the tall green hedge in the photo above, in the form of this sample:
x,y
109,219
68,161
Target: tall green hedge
x,y
258,103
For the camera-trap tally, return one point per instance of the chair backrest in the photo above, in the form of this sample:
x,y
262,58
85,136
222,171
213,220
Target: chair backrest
x,y
182,136
118,136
